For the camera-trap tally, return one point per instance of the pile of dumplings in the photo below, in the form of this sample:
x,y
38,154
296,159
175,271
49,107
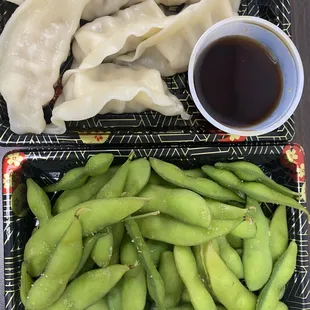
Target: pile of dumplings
x,y
120,57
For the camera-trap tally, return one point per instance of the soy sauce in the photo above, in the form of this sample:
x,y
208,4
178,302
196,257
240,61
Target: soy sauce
x,y
238,81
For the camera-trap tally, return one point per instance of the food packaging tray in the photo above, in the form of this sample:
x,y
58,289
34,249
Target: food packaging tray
x,y
150,127
284,163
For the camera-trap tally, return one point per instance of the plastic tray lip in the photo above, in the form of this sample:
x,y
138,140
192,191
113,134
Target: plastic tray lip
x,y
113,136
290,150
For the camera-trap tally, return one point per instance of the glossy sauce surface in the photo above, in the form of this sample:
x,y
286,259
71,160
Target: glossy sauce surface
x,y
238,81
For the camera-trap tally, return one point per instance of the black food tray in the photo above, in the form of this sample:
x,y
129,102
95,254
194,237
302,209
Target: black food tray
x,y
150,127
284,163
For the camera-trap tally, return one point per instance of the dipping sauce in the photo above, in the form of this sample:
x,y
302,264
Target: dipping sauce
x,y
238,81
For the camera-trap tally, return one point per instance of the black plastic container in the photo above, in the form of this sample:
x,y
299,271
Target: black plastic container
x,y
150,127
285,164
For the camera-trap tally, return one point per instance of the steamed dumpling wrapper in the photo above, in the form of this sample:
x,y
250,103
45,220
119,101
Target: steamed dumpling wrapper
x,y
110,88
99,8
33,45
170,49
109,36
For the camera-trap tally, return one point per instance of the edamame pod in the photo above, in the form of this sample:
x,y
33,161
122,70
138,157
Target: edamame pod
x,y
134,282
173,283
115,187
62,264
246,230
95,215
26,283
187,268
202,186
98,164
256,251
278,233
257,191
89,288
235,242
118,230
167,229
195,173
155,282
282,272
177,203
102,251
222,211
282,306
73,197
44,241
249,172
230,257
155,179
185,298
224,283
99,305
77,177
114,297
38,202
156,249
138,175
88,245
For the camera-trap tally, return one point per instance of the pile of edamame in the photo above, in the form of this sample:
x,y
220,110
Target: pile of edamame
x,y
149,235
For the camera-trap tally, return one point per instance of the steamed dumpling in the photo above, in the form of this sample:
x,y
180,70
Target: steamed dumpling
x,y
33,45
109,36
110,88
169,50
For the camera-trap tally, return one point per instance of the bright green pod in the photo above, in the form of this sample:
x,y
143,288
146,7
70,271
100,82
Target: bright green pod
x,y
202,186
99,305
118,230
282,272
188,271
26,283
156,249
138,176
176,203
235,242
114,297
102,251
246,230
278,233
98,164
173,283
38,202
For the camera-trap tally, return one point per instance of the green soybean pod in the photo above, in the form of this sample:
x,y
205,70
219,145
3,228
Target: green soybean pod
x,y
282,272
73,197
134,282
176,203
98,164
89,288
202,186
138,176
115,187
282,306
26,283
246,230
194,173
249,172
255,190
278,233
99,305
225,285
222,211
62,264
156,249
235,242
188,271
173,283
155,282
102,251
167,229
88,245
185,298
114,297
74,178
38,202
118,230
186,306
230,257
256,251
